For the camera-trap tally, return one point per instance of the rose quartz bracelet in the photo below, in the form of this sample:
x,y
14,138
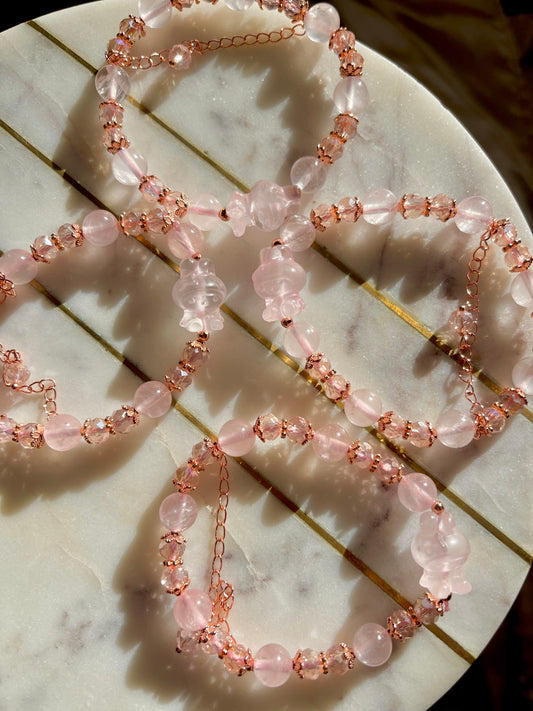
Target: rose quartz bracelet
x,y
202,617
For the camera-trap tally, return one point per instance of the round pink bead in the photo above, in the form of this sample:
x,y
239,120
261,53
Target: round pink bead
x,y
204,211
455,429
178,512
192,610
363,408
62,432
473,214
18,266
380,206
308,173
523,375
100,228
417,492
113,83
185,240
372,645
152,399
128,166
272,665
331,443
236,437
522,289
350,95
298,233
301,340
321,21
155,13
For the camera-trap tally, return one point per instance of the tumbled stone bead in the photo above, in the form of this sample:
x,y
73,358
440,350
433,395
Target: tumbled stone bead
x,y
473,215
123,420
200,293
272,665
204,211
152,399
413,206
110,112
178,378
128,166
310,666
379,206
331,443
363,408
297,233
15,374
192,610
236,437
95,431
455,428
298,430
425,611
178,512
330,149
179,57
372,645
301,340
172,548
30,436
132,223
336,387
421,435
363,455
100,228
345,126
522,289
341,41
268,205
392,425
336,660
402,624
7,426
113,83
278,280
18,266
417,492
517,258
308,174
62,432
351,95
349,209
155,13
505,234
523,375
441,207
45,248
174,577
234,659
321,21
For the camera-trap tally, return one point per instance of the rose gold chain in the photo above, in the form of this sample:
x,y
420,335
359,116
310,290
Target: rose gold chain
x,y
220,591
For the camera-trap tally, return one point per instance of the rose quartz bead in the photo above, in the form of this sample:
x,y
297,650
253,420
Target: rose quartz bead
x,y
236,437
112,82
522,289
455,429
473,215
192,610
272,665
331,443
363,408
268,205
351,95
204,211
372,645
18,266
155,13
417,492
321,21
297,233
152,399
523,375
128,166
178,512
185,240
238,5
301,340
379,206
62,432
179,57
100,228
308,174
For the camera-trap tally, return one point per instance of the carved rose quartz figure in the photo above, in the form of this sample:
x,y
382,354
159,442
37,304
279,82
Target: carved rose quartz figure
x,y
200,293
278,280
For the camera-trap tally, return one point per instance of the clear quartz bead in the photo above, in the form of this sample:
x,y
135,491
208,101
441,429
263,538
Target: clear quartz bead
x,y
364,455
425,611
505,234
522,289
473,215
204,211
441,207
155,13
301,340
379,206
238,5
523,375
174,577
402,624
342,41
297,233
321,21
308,173
270,426
128,166
331,443
185,240
517,258
345,126
351,95
112,83
455,429
272,665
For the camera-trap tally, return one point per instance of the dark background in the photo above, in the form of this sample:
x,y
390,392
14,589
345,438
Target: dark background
x,y
476,56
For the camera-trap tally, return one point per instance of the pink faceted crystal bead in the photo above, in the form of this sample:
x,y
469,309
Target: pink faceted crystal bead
x,y
62,432
301,340
455,429
112,82
204,211
185,240
298,430
297,233
95,431
351,95
7,427
379,206
523,375
192,610
179,57
272,665
473,215
308,174
517,258
321,21
178,512
236,437
155,13
363,408
364,455
128,166
100,228
417,492
310,665
18,266
16,374
522,289
152,399
372,645
331,443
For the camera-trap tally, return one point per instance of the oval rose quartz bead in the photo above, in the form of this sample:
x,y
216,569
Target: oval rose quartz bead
x,y
203,211
301,340
473,214
372,645
178,512
128,166
321,21
379,206
192,610
236,437
62,433
152,399
100,228
272,665
417,492
156,13
297,233
331,443
363,408
112,83
523,375
522,289
308,173
18,266
350,95
455,429
185,240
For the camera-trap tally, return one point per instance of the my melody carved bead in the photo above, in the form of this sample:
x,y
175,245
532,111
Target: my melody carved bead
x,y
279,281
200,293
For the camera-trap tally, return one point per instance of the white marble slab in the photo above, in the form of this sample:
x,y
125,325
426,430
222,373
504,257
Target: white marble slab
x,y
84,622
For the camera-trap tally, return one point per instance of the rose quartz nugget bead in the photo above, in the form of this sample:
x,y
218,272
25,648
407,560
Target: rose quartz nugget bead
x,y
473,214
185,240
321,21
236,437
363,408
18,266
308,173
272,665
351,95
204,211
379,206
523,375
192,610
455,429
178,512
417,492
301,340
297,233
155,13
128,166
152,399
113,83
522,289
100,228
372,645
331,443
62,432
